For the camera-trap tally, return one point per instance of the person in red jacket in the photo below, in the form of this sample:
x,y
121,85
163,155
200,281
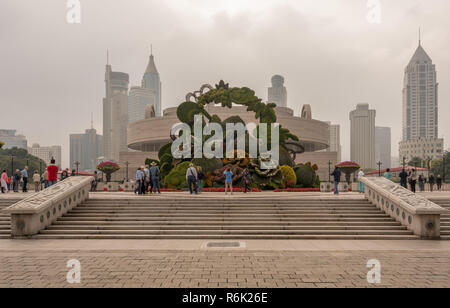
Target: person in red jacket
x,y
52,171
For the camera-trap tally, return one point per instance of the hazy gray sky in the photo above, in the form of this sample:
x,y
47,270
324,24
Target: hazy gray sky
x,y
52,73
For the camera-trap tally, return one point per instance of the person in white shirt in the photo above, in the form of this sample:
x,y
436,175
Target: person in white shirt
x,y
361,184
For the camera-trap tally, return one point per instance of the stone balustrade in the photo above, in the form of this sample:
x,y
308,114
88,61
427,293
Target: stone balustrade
x,y
416,213
38,211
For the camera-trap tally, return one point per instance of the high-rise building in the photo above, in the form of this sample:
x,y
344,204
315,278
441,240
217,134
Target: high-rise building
x,y
86,149
11,140
383,152
335,140
423,148
47,153
138,100
115,114
362,136
278,92
151,81
420,97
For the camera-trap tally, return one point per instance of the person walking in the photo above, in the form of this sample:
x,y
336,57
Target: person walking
x,y
52,171
4,182
228,181
24,173
200,176
192,178
154,177
413,180
36,181
337,179
361,184
421,183
140,178
17,179
247,178
431,181
404,178
45,179
439,182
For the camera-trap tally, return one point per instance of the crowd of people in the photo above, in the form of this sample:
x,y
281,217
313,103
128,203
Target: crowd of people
x,y
21,179
412,178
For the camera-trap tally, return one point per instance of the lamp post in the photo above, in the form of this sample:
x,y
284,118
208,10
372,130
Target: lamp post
x,y
77,163
443,166
329,170
127,164
379,168
404,162
12,165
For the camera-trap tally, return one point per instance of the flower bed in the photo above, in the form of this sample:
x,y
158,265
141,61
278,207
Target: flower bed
x,y
298,190
222,189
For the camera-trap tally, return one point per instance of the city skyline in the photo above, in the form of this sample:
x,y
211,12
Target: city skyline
x,y
348,74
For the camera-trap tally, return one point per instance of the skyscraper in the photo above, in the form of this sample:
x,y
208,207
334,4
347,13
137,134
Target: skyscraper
x,y
420,97
152,82
278,92
86,149
11,140
335,140
47,153
362,136
138,100
115,114
383,146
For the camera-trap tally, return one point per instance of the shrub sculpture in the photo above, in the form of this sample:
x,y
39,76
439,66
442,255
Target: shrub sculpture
x,y
173,171
176,179
108,168
306,176
290,178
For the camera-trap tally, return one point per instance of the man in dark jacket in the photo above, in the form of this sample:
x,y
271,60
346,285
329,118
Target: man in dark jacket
x,y
337,179
403,179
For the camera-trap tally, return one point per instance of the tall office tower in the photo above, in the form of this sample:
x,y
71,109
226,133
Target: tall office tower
x,y
278,92
152,82
138,100
383,146
362,136
420,97
11,140
47,153
115,114
86,149
335,140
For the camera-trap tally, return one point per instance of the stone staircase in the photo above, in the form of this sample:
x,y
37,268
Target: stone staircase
x,y
226,218
5,219
445,219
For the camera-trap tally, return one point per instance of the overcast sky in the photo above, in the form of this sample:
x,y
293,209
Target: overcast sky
x,y
52,72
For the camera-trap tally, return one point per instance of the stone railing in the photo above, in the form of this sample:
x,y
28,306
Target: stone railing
x,y
418,214
35,213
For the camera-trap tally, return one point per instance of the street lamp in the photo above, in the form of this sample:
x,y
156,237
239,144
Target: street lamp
x,y
404,162
127,164
443,166
379,168
329,170
77,163
12,165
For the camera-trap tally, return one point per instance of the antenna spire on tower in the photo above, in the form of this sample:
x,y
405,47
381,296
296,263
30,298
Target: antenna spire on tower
x,y
107,56
92,120
420,36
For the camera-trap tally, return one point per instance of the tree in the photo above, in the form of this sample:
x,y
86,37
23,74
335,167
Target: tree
x,y
20,159
1,144
417,162
437,166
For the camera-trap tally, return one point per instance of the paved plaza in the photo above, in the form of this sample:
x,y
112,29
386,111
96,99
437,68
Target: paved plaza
x,y
277,264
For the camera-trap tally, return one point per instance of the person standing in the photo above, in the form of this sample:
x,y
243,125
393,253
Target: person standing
x,y
421,183
388,174
94,182
140,178
4,182
228,181
24,173
154,177
431,181
147,179
192,178
337,179
17,179
45,179
439,182
52,171
404,178
36,181
361,184
201,176
413,180
246,176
